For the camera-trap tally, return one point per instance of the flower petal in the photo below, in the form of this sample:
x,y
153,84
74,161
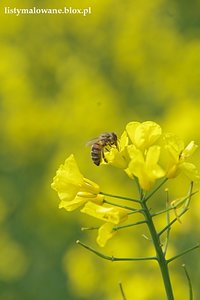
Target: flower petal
x,y
73,204
143,135
105,233
190,171
146,169
189,150
153,155
114,215
68,179
174,145
119,157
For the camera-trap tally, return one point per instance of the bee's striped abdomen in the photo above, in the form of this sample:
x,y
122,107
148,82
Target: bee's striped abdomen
x,y
96,153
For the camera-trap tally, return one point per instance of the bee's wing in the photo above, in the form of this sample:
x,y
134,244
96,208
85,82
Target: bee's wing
x,y
91,142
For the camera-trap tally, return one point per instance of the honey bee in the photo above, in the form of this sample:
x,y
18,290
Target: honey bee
x,y
100,144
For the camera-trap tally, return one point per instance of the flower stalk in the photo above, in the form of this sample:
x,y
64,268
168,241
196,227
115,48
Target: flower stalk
x,y
146,156
113,258
120,197
183,253
160,255
189,282
122,291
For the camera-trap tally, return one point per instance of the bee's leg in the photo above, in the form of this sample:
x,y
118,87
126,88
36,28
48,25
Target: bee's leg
x,y
103,156
107,149
117,146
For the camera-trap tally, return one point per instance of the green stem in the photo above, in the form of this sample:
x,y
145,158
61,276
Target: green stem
x,y
122,291
156,189
183,253
113,258
129,225
184,200
159,252
183,211
189,282
172,222
122,206
89,228
168,221
119,197
162,211
140,191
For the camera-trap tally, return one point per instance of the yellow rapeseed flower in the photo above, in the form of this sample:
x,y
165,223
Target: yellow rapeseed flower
x,y
143,135
105,233
114,215
145,166
73,189
111,215
118,157
179,154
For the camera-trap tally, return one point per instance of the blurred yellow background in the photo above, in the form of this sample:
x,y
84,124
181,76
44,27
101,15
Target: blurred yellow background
x,y
64,80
